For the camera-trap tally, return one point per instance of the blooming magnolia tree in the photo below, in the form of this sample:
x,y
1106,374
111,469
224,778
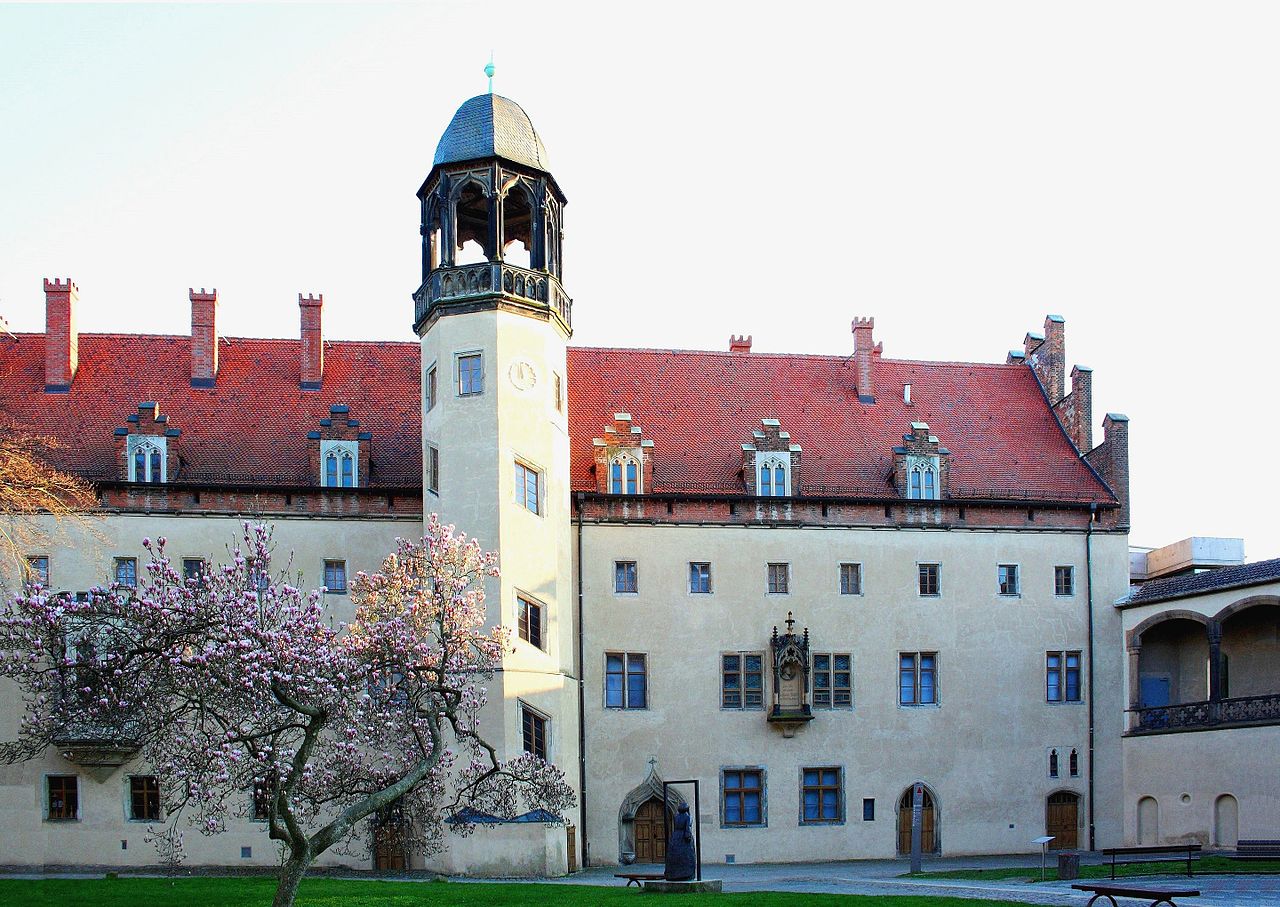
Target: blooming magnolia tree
x,y
237,682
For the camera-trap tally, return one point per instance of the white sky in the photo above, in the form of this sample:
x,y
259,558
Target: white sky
x,y
957,170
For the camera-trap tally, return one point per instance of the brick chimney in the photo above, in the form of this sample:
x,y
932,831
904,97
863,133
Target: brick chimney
x,y
1082,408
739,344
311,308
863,350
204,337
1111,459
61,340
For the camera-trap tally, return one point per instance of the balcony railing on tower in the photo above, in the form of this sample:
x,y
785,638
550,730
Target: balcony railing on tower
x,y
459,282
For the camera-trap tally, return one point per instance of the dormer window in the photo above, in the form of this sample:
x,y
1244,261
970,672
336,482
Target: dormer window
x,y
624,476
340,464
147,460
773,475
922,478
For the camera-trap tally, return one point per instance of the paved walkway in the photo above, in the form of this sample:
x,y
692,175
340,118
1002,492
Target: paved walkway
x,y
882,877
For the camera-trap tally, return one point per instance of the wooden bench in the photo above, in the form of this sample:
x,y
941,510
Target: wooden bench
x,y
1257,850
1163,852
1160,895
635,878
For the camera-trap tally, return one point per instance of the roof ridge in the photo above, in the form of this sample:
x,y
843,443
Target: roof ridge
x,y
834,357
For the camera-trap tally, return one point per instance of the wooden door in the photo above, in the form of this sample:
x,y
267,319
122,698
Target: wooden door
x,y
571,847
1063,820
389,843
928,833
651,833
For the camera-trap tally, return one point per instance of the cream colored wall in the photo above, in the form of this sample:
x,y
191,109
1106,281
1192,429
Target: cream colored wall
x,y
983,751
81,557
525,850
1203,765
478,452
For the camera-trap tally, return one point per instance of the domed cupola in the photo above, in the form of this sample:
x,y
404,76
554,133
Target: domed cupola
x,y
491,219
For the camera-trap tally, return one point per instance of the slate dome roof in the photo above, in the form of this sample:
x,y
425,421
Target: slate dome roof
x,y
490,125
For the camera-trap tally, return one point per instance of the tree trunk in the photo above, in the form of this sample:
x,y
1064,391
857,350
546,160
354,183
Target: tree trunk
x,y
291,874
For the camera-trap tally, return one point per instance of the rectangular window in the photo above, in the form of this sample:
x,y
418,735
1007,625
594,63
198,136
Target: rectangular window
x,y
433,470
527,487
930,579
1007,578
743,796
431,388
918,678
1062,676
626,684
869,809
192,568
335,576
832,680
742,681
64,797
1064,580
821,797
700,578
624,577
126,572
850,579
558,391
779,579
470,374
533,729
144,798
529,620
38,570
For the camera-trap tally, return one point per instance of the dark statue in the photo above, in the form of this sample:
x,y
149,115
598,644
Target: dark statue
x,y
680,858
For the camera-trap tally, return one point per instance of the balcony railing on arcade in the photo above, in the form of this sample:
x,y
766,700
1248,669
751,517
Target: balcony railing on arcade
x,y
1244,711
459,282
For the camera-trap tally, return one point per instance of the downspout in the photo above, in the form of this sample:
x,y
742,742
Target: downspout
x,y
582,727
1088,579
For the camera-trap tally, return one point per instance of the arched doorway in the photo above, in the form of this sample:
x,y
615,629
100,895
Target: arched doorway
x,y
1226,821
1148,821
1062,820
650,833
390,840
929,838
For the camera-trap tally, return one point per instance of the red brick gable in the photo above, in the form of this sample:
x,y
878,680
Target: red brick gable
x,y
249,428
698,406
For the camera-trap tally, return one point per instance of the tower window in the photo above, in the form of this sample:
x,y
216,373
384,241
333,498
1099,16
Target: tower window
x,y
431,388
470,374
527,481
533,731
529,621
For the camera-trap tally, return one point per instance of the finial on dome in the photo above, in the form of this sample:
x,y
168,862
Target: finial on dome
x,y
488,71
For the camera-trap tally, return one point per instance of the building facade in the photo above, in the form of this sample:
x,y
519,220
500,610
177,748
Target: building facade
x,y
807,582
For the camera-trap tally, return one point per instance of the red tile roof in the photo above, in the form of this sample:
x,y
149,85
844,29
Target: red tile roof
x,y
699,408
250,428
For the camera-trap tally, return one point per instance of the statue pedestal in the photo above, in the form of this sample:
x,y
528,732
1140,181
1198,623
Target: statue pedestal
x,y
662,886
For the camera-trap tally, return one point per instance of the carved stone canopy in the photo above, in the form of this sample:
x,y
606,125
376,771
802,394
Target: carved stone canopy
x,y
791,706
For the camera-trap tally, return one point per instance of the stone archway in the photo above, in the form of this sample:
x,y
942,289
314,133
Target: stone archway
x,y
650,789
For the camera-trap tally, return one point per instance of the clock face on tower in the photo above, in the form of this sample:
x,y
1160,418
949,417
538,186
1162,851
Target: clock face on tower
x,y
522,375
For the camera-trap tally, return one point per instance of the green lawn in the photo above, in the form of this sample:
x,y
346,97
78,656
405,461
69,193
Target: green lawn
x,y
1206,864
256,892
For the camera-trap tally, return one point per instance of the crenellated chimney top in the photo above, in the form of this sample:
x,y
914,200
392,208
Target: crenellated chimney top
x,y
204,337
311,309
739,344
863,349
61,339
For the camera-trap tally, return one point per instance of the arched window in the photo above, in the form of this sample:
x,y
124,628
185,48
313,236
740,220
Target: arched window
x,y
517,227
146,459
471,233
1053,763
773,476
1073,764
624,476
922,479
340,464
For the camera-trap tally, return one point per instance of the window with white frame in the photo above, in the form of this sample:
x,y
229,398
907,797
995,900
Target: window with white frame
x,y
922,478
147,460
340,464
624,475
773,475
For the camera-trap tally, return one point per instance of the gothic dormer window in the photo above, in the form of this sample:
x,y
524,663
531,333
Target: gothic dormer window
x,y
922,478
774,475
147,459
624,475
340,464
